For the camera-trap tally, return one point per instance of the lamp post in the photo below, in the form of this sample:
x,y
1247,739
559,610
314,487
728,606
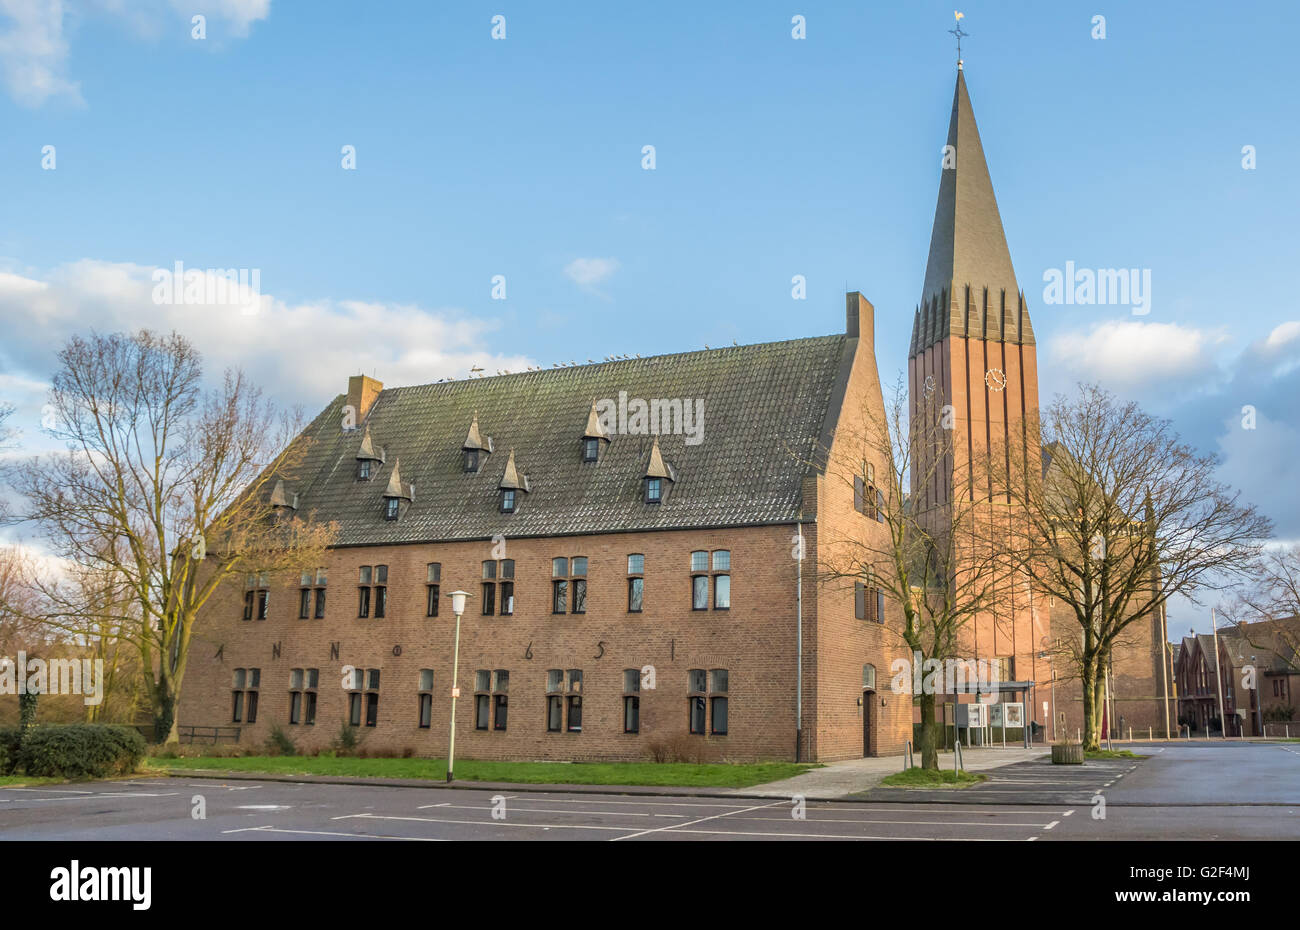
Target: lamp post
x,y
458,608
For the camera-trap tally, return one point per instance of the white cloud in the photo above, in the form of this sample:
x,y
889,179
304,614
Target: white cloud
x,y
34,49
1131,353
587,273
297,352
34,52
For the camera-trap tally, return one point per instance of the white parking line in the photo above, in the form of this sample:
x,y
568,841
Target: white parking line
x,y
691,823
360,836
478,823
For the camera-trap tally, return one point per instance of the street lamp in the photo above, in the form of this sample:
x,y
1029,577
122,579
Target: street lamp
x,y
458,608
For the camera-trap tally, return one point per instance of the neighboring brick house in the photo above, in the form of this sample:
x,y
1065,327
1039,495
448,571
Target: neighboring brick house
x,y
627,588
1263,654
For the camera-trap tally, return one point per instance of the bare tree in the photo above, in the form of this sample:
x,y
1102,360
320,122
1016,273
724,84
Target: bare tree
x,y
935,557
1123,517
163,494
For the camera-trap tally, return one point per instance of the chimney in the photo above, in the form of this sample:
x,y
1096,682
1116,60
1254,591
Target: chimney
x,y
861,317
362,393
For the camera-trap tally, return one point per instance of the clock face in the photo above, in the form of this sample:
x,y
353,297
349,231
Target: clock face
x,y
995,379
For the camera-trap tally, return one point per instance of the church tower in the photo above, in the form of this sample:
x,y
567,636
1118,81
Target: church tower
x,y
973,356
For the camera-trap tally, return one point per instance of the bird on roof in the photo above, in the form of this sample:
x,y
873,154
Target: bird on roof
x,y
706,345
638,355
476,368
591,361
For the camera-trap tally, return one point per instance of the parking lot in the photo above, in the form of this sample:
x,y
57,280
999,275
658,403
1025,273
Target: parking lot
x,y
1198,791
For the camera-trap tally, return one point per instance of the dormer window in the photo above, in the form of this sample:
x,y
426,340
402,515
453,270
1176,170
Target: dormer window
x,y
511,484
475,448
391,508
656,473
363,470
593,436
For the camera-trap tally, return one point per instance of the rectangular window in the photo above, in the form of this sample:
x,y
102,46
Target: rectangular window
x,y
699,561
372,708
707,700
569,585
654,490
482,705
295,706
304,603
631,700
489,598
354,709
507,598
363,603
390,508
320,604
721,592
859,600
635,595
719,710
381,601
263,603
425,692
699,592
636,564
590,449
302,695
434,598
554,713
244,695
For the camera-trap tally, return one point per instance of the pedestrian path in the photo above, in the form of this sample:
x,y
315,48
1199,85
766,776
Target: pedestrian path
x,y
838,779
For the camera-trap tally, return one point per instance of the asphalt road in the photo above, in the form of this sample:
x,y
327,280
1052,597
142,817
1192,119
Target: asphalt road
x,y
1197,791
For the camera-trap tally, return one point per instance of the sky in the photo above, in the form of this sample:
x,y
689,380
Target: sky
x,y
517,163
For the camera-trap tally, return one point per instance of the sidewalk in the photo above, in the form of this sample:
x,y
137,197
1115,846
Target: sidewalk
x,y
838,779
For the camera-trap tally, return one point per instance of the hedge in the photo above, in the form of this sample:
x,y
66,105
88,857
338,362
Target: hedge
x,y
78,751
10,738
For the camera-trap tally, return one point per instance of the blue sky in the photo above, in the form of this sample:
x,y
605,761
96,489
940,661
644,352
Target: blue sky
x,y
775,157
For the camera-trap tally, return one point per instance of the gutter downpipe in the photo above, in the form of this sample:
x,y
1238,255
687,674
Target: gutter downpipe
x,y
798,678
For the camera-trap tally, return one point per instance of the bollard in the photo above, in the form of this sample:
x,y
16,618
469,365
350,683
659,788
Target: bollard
x,y
1149,730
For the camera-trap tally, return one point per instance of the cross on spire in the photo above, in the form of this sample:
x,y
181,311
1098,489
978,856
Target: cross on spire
x,y
960,34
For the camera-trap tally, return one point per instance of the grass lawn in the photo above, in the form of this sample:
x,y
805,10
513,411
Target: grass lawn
x,y
1110,754
23,781
531,773
933,778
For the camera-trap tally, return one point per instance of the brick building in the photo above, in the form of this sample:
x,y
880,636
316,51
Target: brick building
x,y
630,533
1255,679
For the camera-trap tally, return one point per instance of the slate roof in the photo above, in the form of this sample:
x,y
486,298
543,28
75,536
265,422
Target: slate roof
x,y
765,412
968,247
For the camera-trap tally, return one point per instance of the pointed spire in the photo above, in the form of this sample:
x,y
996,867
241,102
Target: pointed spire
x,y
280,497
473,440
656,467
967,244
594,430
396,487
511,479
367,450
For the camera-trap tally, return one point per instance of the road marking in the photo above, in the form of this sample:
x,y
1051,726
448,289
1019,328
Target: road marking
x,y
361,836
691,823
1052,824
478,823
1067,813
824,836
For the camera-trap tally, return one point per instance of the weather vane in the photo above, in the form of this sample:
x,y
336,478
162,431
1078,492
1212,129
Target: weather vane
x,y
959,33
